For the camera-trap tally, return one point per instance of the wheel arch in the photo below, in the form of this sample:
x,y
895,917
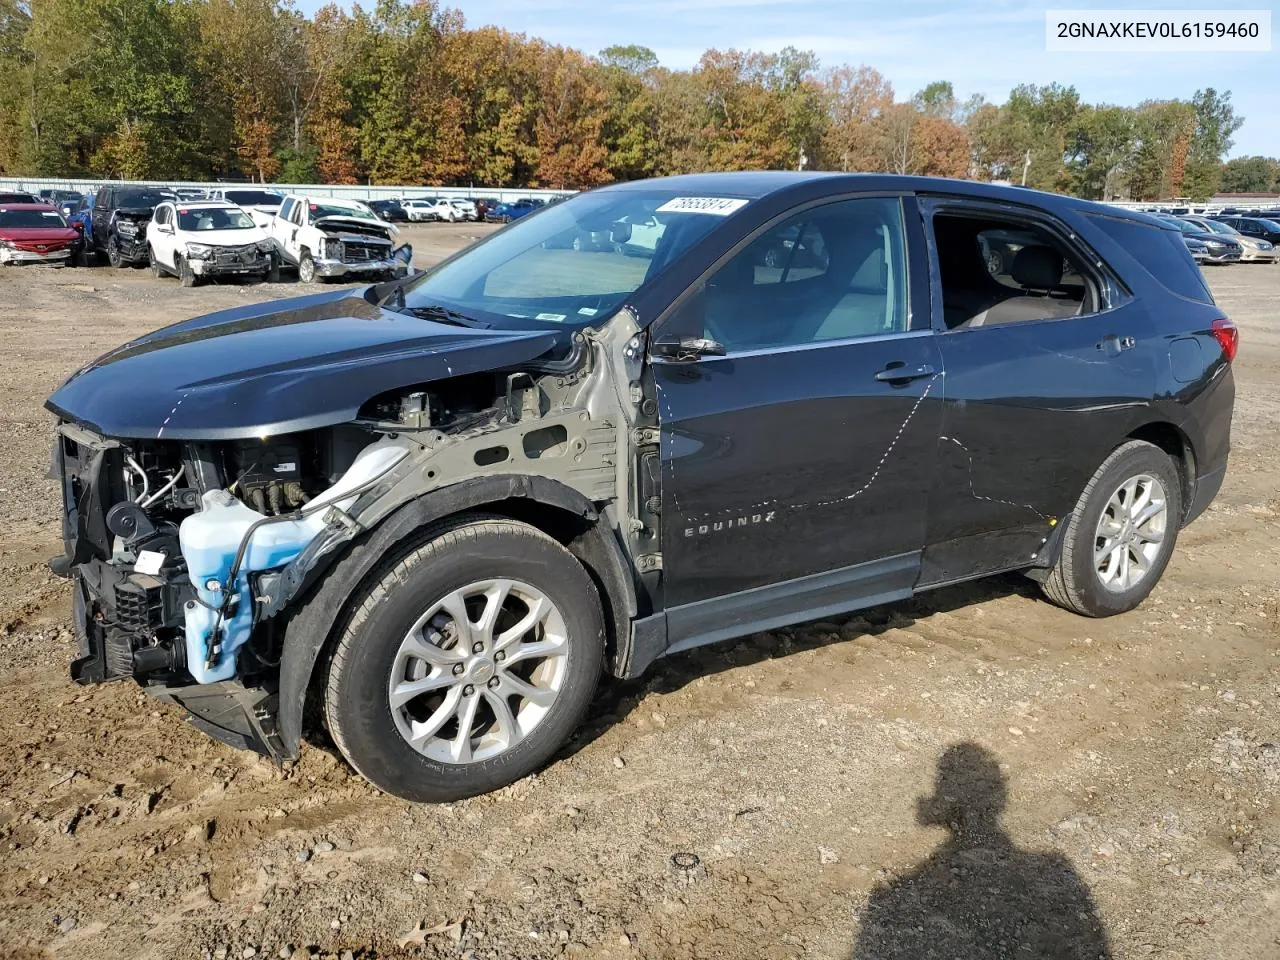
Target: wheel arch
x,y
553,508
1173,441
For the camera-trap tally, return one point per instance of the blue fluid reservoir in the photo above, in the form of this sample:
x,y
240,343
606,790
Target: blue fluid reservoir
x,y
211,537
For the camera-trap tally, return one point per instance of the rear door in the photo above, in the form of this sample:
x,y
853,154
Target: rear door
x,y
1048,368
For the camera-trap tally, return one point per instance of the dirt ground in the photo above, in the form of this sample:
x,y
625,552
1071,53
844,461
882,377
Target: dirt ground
x,y
770,798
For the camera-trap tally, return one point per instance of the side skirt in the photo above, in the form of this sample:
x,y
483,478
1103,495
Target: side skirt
x,y
766,608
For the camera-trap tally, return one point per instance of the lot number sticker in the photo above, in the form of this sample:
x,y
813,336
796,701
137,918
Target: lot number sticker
x,y
716,206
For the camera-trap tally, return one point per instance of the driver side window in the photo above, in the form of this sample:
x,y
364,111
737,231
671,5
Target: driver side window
x,y
832,272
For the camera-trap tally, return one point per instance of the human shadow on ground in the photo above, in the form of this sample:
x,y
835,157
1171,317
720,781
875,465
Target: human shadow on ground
x,y
978,896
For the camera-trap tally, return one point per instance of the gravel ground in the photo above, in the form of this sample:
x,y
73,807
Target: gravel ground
x,y
973,773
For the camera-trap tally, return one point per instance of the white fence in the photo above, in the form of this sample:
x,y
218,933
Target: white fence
x,y
342,190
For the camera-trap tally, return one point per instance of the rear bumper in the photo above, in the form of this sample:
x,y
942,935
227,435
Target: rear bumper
x,y
1206,489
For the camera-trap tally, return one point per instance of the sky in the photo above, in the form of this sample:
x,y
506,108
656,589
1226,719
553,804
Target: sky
x,y
980,47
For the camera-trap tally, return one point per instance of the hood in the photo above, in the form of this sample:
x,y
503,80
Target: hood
x,y
1208,236
337,220
224,238
39,234
276,368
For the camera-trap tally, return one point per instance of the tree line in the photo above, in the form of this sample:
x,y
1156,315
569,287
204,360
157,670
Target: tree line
x,y
407,93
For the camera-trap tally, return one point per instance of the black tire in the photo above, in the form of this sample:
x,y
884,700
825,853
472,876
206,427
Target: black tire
x,y
186,276
357,707
114,255
80,258
273,272
157,270
1074,582
307,268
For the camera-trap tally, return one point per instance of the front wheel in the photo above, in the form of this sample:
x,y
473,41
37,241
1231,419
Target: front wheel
x,y
307,269
115,256
186,276
1121,533
467,664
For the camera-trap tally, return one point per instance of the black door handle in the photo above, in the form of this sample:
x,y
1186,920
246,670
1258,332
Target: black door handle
x,y
899,372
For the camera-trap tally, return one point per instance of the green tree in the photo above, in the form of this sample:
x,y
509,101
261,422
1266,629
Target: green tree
x,y
1251,175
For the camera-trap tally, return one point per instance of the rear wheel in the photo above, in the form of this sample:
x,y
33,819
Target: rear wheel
x,y
1121,534
467,664
157,271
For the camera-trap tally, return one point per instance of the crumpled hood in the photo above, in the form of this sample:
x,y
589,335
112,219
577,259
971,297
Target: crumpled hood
x,y
241,237
337,220
276,367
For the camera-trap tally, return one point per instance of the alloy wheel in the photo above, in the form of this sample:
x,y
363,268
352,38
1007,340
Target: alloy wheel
x,y
478,671
1129,533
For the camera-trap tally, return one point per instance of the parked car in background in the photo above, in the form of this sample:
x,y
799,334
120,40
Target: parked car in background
x,y
1259,228
1199,252
506,212
1256,250
453,209
81,218
63,201
483,205
37,233
190,193
1219,248
389,210
17,196
120,218
419,210
259,204
323,237
207,238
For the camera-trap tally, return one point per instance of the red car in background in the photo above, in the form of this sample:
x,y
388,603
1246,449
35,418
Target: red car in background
x,y
37,233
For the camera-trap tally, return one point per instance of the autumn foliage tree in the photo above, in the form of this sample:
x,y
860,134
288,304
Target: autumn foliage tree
x,y
404,91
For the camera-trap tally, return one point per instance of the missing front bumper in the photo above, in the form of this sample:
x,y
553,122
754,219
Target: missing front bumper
x,y
239,716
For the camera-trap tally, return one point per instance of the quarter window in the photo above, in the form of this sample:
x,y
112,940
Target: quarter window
x,y
833,272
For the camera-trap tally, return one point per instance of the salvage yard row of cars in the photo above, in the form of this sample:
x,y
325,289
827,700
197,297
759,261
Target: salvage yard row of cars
x,y
231,233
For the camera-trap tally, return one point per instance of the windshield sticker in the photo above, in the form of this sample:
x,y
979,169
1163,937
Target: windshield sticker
x,y
716,206
550,316
588,311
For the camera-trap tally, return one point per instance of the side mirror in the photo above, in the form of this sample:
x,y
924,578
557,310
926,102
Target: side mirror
x,y
686,349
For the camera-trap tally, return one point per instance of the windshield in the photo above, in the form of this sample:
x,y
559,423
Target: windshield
x,y
1218,227
140,198
1268,224
1183,225
319,210
574,262
253,198
214,218
30,218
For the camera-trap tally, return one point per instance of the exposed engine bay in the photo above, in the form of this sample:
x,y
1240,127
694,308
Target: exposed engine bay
x,y
186,553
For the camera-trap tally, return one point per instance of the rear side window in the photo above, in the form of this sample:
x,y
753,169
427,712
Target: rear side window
x,y
1162,253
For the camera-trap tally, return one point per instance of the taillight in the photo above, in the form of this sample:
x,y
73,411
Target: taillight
x,y
1227,335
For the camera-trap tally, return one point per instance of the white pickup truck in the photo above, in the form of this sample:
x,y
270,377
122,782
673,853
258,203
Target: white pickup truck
x,y
325,237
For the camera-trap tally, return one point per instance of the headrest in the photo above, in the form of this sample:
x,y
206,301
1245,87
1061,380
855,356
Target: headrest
x,y
1037,268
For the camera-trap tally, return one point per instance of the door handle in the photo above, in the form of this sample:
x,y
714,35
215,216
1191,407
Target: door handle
x,y
1113,344
899,372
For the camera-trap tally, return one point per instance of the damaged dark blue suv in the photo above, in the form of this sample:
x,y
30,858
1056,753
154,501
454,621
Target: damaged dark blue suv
x,y
653,416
